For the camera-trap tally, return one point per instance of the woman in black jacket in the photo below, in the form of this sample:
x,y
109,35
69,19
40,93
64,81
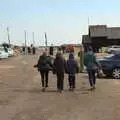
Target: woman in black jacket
x,y
59,67
44,65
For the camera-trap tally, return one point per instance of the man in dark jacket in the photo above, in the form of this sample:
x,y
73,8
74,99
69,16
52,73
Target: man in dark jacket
x,y
73,68
44,65
59,67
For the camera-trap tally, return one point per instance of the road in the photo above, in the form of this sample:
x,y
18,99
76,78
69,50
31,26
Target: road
x,y
21,97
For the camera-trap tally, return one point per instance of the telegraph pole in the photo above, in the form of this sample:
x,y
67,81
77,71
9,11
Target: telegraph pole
x,y
88,21
8,35
46,39
25,42
33,38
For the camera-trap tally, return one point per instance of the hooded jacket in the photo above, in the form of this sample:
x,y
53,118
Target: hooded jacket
x,y
59,64
90,61
44,63
72,65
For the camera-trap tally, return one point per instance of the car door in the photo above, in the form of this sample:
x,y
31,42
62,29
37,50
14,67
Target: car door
x,y
116,61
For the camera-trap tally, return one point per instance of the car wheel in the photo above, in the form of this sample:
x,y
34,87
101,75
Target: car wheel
x,y
116,73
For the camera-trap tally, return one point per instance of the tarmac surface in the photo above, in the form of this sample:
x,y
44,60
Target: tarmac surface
x,y
21,97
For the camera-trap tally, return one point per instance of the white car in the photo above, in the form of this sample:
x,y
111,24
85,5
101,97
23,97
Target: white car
x,y
114,48
3,54
10,52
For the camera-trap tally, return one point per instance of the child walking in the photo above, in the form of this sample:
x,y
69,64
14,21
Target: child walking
x,y
72,68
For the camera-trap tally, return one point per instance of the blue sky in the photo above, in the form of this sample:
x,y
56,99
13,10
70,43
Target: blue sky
x,y
65,21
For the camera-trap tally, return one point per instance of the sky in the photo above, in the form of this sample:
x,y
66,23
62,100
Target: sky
x,y
64,21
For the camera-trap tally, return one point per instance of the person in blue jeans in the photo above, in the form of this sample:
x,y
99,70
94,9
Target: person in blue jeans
x,y
92,65
72,68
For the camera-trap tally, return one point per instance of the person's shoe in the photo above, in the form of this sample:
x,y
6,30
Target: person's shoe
x,y
74,87
90,89
60,91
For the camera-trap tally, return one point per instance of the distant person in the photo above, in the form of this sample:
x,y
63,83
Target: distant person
x,y
34,50
59,50
72,69
44,65
81,56
51,50
92,65
23,49
59,67
29,50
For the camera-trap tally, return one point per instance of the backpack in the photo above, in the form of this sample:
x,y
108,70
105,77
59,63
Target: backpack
x,y
44,63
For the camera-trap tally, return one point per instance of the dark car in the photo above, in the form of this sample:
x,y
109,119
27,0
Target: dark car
x,y
111,65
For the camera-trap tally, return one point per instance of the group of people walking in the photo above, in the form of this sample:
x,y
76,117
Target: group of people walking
x,y
60,66
29,50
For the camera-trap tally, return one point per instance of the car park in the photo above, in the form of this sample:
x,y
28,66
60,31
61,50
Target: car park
x,y
3,54
110,65
10,52
114,49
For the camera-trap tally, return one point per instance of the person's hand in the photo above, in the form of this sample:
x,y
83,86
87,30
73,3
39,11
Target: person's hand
x,y
35,66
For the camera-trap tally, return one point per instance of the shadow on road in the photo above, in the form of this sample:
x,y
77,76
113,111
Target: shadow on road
x,y
35,90
82,90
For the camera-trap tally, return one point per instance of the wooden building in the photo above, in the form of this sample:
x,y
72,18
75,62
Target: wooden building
x,y
101,36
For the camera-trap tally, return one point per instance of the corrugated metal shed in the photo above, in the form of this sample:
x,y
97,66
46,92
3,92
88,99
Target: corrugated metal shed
x,y
113,33
98,31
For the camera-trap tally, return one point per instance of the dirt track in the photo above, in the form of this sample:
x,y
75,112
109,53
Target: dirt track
x,y
21,97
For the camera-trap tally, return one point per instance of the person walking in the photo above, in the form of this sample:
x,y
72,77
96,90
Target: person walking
x,y
59,67
81,56
34,50
73,68
29,50
23,50
44,65
92,65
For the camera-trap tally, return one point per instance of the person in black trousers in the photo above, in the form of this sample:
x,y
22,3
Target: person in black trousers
x,y
92,65
73,68
59,67
44,65
34,50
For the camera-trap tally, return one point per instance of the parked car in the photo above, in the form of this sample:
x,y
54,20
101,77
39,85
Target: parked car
x,y
10,52
114,49
3,54
110,65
